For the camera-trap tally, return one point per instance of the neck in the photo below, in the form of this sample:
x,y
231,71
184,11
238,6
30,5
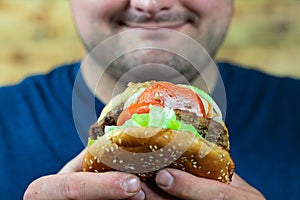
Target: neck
x,y
208,78
104,86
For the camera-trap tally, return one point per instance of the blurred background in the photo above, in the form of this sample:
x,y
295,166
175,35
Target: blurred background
x,y
37,35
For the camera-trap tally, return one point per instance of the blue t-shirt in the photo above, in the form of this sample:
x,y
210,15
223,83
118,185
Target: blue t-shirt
x,y
38,133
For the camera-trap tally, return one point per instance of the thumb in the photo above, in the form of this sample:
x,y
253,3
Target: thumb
x,y
74,165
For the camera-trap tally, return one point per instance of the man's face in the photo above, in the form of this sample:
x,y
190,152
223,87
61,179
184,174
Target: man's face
x,y
205,21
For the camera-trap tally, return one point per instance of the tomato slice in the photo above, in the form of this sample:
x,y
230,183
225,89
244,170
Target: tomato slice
x,y
164,94
138,108
173,96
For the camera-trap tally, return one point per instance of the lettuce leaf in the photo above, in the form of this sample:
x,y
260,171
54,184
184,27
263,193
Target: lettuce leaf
x,y
157,117
90,142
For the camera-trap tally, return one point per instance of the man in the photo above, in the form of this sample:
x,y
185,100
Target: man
x,y
112,17
44,144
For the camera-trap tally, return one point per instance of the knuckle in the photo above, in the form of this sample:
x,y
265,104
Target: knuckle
x,y
31,192
222,192
73,187
28,195
221,195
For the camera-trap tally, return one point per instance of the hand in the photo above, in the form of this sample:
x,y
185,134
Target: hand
x,y
70,183
187,186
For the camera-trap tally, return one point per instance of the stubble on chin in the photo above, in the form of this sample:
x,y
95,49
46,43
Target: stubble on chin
x,y
152,64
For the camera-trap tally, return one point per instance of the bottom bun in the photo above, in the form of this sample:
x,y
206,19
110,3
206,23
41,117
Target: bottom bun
x,y
143,151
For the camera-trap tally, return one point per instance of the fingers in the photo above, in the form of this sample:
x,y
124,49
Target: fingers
x,y
84,185
238,182
75,165
188,186
153,192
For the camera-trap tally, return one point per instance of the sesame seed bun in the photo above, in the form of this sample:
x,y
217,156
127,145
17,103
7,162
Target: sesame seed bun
x,y
145,150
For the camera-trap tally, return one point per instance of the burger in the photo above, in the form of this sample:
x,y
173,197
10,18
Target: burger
x,y
153,125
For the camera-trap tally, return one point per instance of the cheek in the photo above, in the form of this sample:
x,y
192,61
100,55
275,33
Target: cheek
x,y
208,8
97,9
92,17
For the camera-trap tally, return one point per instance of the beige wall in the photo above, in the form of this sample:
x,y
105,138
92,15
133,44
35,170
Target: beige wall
x,y
36,35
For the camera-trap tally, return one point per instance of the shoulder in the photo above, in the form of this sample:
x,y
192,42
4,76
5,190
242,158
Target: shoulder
x,y
232,70
233,74
67,71
36,90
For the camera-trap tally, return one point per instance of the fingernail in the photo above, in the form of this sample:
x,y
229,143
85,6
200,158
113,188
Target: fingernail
x,y
164,178
131,185
139,196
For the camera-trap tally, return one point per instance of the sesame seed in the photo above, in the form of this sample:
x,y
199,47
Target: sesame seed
x,y
91,161
155,147
114,161
85,160
222,170
98,160
120,141
160,155
194,163
165,136
184,159
120,161
90,167
130,167
208,173
112,149
96,171
219,177
195,166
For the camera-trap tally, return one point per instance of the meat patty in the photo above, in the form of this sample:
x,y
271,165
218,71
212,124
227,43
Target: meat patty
x,y
208,128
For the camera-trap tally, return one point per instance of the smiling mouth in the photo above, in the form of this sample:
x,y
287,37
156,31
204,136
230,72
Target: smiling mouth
x,y
174,26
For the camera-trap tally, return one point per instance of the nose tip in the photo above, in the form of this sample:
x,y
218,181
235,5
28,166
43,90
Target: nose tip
x,y
151,7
